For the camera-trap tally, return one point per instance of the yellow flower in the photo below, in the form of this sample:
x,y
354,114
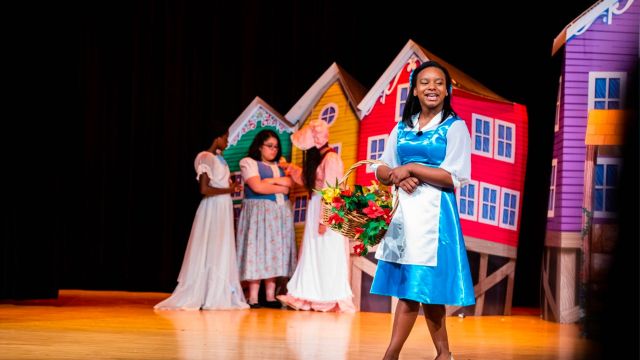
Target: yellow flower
x,y
329,193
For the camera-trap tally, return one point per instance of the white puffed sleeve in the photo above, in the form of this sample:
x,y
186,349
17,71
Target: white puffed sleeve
x,y
457,160
202,165
248,168
390,153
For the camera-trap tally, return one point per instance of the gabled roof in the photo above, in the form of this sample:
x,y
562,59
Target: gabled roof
x,y
460,79
580,24
255,105
352,88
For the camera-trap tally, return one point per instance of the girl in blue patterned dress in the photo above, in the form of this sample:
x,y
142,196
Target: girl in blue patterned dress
x,y
422,258
266,238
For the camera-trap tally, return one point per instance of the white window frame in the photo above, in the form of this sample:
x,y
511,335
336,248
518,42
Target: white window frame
x,y
335,117
475,201
399,99
337,147
371,139
484,185
556,125
474,117
607,75
506,124
241,193
306,208
606,161
552,189
515,193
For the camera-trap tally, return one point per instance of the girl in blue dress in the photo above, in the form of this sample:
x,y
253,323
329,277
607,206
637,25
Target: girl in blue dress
x,y
422,258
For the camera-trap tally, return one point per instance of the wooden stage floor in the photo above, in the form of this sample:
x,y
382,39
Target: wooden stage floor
x,y
123,325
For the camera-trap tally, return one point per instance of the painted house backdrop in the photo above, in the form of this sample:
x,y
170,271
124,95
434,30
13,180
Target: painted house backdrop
x,y
332,98
600,53
490,205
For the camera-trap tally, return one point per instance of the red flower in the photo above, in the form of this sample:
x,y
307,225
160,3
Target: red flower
x,y
373,210
335,219
387,216
337,202
358,231
358,248
346,192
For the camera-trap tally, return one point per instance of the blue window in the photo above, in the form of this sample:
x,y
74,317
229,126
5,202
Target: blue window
x,y
300,209
376,148
482,135
403,94
605,187
489,204
329,113
509,210
467,200
505,141
606,90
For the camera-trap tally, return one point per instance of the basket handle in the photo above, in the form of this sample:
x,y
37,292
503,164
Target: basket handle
x,y
359,163
371,162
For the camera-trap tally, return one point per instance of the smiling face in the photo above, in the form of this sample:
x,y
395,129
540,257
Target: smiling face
x,y
269,149
431,88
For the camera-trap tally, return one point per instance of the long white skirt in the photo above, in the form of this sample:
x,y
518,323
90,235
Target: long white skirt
x,y
321,280
208,278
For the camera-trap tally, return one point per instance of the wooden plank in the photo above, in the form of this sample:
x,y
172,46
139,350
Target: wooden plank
x,y
509,297
563,239
566,283
482,274
494,278
548,295
365,265
489,247
356,286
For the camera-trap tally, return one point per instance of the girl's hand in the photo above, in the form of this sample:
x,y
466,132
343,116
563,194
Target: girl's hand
x,y
234,186
409,184
322,228
398,174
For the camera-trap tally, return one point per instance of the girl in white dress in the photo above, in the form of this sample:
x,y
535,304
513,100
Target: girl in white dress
x,y
321,280
209,278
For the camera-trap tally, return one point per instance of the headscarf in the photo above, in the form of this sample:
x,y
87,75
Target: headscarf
x,y
315,133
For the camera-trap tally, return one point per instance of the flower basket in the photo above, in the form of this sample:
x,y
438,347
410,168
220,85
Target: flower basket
x,y
362,213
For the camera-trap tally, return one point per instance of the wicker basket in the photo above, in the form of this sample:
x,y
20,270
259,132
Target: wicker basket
x,y
352,218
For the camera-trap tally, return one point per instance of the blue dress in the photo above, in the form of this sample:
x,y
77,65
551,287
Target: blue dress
x,y
422,257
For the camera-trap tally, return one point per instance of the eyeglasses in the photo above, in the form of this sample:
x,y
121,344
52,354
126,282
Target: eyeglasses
x,y
272,146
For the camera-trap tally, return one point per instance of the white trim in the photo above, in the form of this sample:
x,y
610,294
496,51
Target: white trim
x,y
399,99
603,8
335,115
481,202
407,56
473,135
337,147
556,125
369,140
511,192
606,161
553,189
466,216
299,209
607,75
260,109
233,176
497,123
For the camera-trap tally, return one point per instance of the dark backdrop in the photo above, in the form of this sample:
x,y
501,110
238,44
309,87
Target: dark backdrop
x,y
115,100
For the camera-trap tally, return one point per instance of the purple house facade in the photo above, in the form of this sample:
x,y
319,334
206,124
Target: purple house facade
x,y
600,54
